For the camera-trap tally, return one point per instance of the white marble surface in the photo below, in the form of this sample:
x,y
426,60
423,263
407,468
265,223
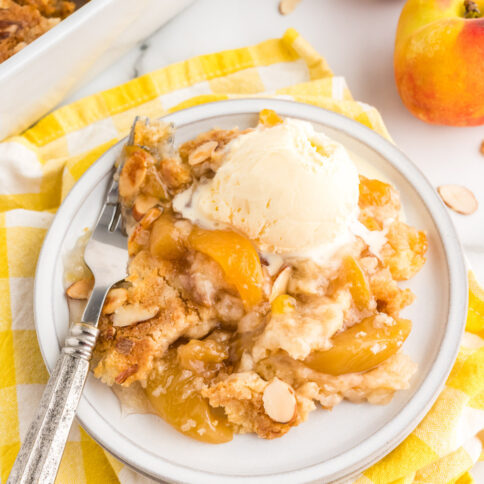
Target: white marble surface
x,y
356,37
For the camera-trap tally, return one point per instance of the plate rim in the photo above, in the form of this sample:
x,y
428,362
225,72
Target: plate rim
x,y
433,382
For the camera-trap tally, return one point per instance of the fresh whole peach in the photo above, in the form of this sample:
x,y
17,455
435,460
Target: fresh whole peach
x,y
439,60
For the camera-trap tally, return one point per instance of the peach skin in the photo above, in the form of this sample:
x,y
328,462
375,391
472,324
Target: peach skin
x,y
439,60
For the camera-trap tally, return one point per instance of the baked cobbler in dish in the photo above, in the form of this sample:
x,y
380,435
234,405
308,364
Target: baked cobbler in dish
x,y
23,21
263,280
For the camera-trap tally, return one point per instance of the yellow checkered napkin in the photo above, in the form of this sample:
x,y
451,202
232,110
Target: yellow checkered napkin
x,y
39,167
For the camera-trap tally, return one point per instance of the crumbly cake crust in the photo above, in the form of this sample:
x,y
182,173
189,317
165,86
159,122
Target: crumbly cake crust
x,y
23,21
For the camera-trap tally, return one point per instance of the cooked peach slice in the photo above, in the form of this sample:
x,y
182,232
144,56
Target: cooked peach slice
x,y
361,347
371,223
196,354
268,117
166,240
187,411
376,193
142,204
236,256
283,304
354,276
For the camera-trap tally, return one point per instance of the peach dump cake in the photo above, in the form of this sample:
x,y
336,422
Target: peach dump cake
x,y
22,21
263,280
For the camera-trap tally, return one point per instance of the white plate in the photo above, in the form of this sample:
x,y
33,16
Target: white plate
x,y
330,445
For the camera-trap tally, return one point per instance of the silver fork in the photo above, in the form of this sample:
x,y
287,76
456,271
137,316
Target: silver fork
x,y
106,255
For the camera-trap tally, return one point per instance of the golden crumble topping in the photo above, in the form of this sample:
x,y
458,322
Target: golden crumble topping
x,y
23,21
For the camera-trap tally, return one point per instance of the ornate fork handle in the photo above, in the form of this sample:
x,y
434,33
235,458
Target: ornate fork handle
x,y
41,452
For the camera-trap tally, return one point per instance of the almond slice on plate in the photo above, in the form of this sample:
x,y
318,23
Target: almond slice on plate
x,y
280,283
132,314
125,374
287,6
458,198
279,401
81,288
116,298
149,217
202,153
142,204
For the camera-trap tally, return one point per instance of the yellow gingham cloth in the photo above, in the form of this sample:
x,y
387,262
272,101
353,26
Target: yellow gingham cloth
x,y
39,167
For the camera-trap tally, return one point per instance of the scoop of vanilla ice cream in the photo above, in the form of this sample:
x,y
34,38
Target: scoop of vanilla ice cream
x,y
288,188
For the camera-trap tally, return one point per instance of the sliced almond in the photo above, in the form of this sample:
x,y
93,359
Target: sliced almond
x,y
287,6
125,374
279,401
133,173
482,148
142,204
458,198
81,288
202,153
124,346
138,240
132,314
153,184
140,236
280,283
149,217
116,298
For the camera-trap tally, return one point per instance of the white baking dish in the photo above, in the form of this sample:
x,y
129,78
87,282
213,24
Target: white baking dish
x,y
37,78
